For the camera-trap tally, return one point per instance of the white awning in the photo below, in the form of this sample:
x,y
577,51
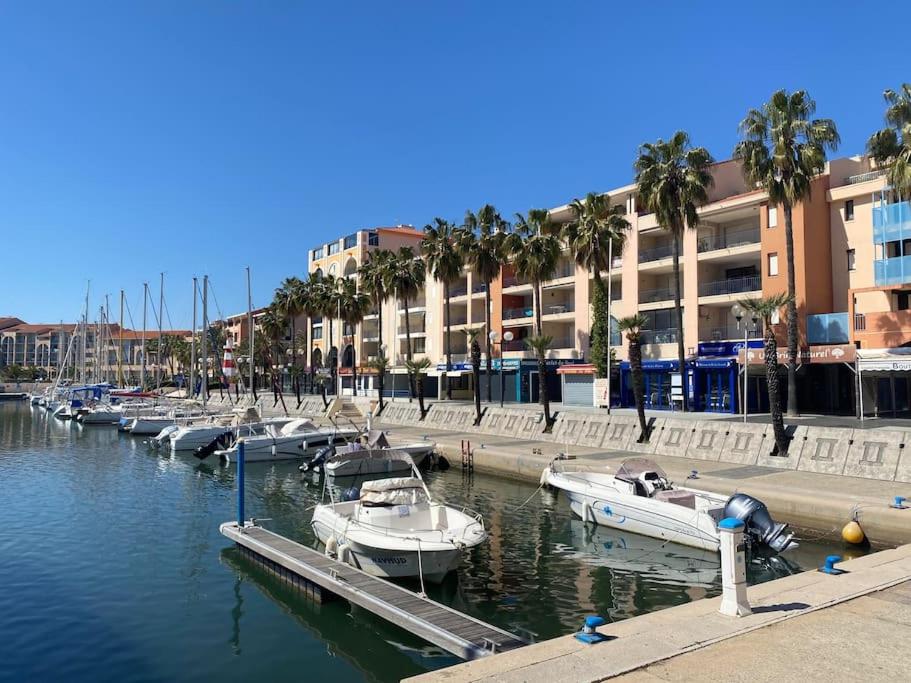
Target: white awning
x,y
884,360
452,373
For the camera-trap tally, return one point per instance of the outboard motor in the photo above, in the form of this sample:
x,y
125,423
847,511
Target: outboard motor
x,y
760,527
204,452
321,456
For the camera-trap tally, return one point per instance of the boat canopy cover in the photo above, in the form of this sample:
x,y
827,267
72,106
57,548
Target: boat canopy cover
x,y
393,491
299,425
376,438
632,469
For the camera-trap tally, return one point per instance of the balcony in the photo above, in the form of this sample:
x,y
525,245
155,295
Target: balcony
x,y
729,239
667,336
863,177
478,288
559,308
514,345
737,285
513,281
459,319
563,270
891,222
415,329
730,332
656,253
827,328
892,271
650,296
518,313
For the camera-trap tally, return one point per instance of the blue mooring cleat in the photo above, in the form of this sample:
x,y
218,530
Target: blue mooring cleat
x,y
829,566
588,634
899,503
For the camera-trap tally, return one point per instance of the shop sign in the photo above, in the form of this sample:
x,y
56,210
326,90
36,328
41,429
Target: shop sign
x,y
726,348
601,396
836,353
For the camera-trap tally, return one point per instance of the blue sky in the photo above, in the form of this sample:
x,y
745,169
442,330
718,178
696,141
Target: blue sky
x,y
201,137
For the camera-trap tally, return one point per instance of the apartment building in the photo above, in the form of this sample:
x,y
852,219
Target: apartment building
x,y
342,346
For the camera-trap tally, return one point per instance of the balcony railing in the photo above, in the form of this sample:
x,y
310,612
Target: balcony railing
x,y
892,271
728,333
563,270
557,309
860,322
415,329
827,328
728,239
458,290
513,281
892,222
649,296
668,336
478,287
458,320
737,285
656,253
514,345
863,177
516,313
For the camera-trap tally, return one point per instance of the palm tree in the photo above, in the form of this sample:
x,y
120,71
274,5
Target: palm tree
x,y
416,369
273,325
444,261
540,344
310,294
782,149
891,146
407,280
326,301
481,242
598,228
353,306
473,333
380,363
632,325
765,309
375,275
673,180
535,256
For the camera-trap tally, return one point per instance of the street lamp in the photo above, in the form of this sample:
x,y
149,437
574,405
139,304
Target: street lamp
x,y
507,337
738,312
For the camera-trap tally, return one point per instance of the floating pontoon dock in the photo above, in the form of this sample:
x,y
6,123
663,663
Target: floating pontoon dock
x,y
317,575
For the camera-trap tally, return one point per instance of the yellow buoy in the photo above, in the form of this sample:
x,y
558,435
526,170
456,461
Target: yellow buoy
x,y
852,533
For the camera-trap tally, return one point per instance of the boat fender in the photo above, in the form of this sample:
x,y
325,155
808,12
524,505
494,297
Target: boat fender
x,y
853,533
344,553
543,480
587,514
331,547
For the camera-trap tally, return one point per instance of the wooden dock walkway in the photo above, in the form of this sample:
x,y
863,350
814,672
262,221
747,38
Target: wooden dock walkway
x,y
458,633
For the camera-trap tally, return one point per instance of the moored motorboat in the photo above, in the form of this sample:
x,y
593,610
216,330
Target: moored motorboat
x,y
394,529
639,498
296,439
372,454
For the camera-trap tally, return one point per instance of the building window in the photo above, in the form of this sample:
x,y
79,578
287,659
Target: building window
x,y
317,332
850,259
373,239
317,253
849,210
902,303
333,248
773,216
351,241
773,265
332,268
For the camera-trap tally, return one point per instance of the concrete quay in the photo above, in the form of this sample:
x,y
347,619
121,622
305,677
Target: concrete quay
x,y
811,627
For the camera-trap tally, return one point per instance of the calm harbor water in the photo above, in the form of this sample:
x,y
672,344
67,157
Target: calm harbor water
x,y
112,568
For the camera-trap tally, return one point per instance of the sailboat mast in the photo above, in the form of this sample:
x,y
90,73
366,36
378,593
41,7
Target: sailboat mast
x,y
142,368
252,336
205,334
107,324
85,331
120,346
160,317
193,343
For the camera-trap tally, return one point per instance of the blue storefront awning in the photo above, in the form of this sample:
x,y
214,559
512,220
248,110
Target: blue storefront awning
x,y
715,363
654,365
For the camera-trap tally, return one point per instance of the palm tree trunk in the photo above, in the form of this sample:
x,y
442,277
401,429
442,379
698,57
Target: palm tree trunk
x,y
536,295
408,353
381,372
635,364
329,354
420,386
489,361
792,313
771,366
678,309
476,376
542,389
448,344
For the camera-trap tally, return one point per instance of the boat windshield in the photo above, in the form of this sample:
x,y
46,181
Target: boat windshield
x,y
393,491
631,470
376,438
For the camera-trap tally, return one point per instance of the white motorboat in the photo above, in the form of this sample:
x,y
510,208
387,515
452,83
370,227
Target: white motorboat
x,y
299,438
375,456
639,498
101,414
207,441
395,530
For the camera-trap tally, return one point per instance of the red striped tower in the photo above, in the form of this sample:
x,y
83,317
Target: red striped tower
x,y
227,365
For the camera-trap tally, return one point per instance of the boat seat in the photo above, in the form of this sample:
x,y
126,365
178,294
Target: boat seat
x,y
685,498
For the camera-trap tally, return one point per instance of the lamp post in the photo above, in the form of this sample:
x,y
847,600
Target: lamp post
x,y
738,312
507,337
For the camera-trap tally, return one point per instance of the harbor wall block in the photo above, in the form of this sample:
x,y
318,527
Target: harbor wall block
x,y
825,450
903,471
674,438
492,421
707,440
568,428
874,453
593,431
656,425
530,425
744,443
791,459
620,431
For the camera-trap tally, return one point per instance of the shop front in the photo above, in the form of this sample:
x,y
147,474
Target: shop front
x,y
885,378
662,381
